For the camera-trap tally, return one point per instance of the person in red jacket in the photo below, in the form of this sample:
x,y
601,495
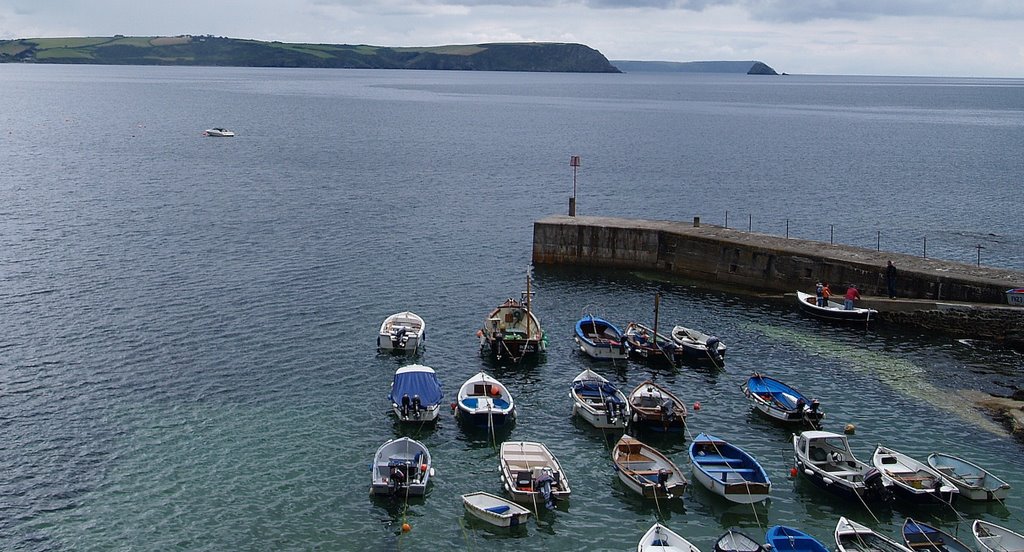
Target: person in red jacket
x,y
851,295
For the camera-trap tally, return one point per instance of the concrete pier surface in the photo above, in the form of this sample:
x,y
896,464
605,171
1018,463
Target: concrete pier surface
x,y
961,299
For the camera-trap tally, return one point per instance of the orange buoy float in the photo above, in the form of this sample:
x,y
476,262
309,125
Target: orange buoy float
x,y
696,405
792,472
406,527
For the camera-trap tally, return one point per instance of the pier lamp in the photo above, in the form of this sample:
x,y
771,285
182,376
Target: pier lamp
x,y
574,162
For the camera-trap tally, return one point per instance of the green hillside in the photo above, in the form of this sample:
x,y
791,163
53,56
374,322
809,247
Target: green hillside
x,y
220,51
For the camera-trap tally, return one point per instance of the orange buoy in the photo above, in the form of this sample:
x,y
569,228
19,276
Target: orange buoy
x,y
792,472
423,467
696,405
406,527
495,391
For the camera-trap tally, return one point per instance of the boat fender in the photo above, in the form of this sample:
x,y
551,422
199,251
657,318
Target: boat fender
x,y
809,473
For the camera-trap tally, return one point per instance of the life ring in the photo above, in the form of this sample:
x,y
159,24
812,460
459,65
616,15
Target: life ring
x,y
517,315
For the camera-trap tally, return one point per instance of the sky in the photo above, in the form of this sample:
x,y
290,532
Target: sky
x,y
966,38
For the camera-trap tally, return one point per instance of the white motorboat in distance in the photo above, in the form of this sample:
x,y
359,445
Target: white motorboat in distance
x,y
402,332
218,132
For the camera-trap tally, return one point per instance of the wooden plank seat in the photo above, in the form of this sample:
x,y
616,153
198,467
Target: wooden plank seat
x,y
716,459
729,470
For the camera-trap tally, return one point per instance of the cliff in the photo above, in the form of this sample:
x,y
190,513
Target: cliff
x,y
221,51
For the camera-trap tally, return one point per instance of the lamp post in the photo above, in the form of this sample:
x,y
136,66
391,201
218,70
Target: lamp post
x,y
574,162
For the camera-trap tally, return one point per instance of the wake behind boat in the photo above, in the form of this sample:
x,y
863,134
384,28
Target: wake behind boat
x,y
782,402
600,339
416,394
599,402
728,470
834,311
401,332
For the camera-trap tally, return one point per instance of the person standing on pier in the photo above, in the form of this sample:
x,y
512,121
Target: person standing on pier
x,y
851,295
890,279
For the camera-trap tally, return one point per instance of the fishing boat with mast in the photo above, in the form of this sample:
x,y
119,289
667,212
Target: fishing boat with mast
x,y
649,344
511,331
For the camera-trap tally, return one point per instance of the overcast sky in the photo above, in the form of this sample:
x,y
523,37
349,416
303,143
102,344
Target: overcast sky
x,y
971,38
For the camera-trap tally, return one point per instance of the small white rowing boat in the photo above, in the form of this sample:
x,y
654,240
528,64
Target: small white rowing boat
x,y
495,510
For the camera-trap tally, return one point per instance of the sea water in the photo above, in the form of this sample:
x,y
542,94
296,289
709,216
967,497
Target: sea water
x,y
188,354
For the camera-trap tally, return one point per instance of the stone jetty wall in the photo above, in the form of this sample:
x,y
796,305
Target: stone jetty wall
x,y
760,262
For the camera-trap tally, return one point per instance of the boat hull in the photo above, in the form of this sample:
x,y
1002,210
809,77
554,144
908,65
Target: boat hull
x,y
524,465
427,414
973,481
600,339
495,510
401,467
834,311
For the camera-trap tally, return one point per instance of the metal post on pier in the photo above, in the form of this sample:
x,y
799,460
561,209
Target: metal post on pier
x,y
574,162
980,247
832,234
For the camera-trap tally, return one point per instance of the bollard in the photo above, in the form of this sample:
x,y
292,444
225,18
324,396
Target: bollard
x,y
572,206
696,222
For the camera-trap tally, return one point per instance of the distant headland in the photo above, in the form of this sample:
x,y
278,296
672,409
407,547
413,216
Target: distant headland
x,y
748,67
211,50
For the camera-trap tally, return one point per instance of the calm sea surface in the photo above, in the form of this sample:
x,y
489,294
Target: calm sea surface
x,y
187,359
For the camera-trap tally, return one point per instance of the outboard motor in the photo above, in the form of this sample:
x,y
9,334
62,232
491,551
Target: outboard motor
x,y
396,480
543,485
399,337
663,475
875,486
815,404
609,409
667,409
416,405
405,405
712,345
800,404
